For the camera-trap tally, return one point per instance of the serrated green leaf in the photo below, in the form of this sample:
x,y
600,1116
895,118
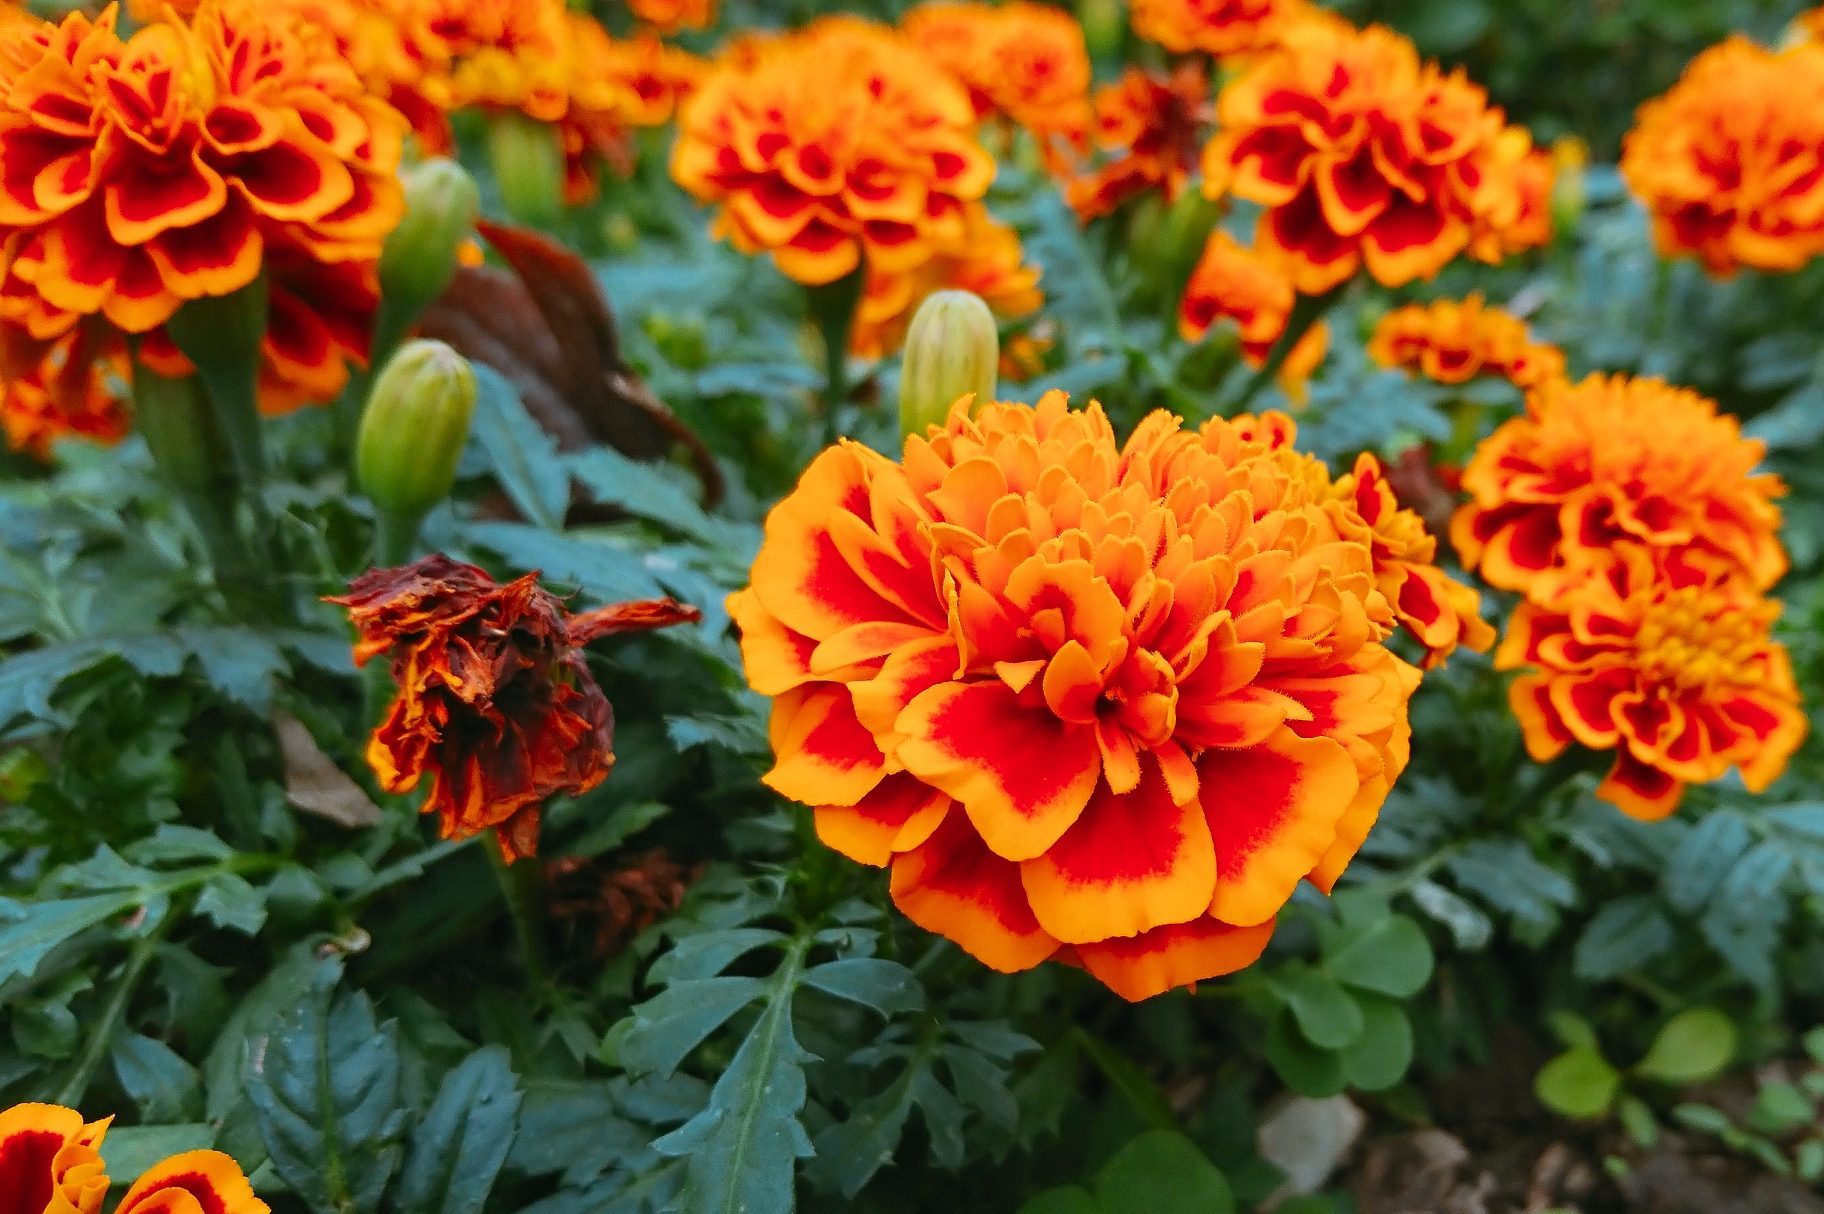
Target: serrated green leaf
x,y
605,570
464,1138
1505,874
886,986
324,1086
229,901
1695,1045
238,662
1703,859
851,1151
1379,1057
1625,934
30,930
1744,919
1578,1083
1162,1172
1391,957
130,1151
164,1086
523,457
282,989
667,1027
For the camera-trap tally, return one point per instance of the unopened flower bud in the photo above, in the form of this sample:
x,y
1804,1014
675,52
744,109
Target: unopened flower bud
x,y
414,429
529,165
1570,159
952,349
1167,249
1104,25
420,257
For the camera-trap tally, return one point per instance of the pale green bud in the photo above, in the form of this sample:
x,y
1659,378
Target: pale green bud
x,y
420,257
953,349
529,166
414,429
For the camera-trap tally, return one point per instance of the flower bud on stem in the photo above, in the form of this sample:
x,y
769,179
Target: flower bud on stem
x,y
411,439
952,350
529,165
420,257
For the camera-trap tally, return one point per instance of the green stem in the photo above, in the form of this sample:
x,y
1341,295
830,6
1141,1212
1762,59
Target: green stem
x,y
520,889
395,540
833,308
112,1015
1305,313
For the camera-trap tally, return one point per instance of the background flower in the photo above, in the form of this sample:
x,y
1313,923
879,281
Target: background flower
x,y
1611,463
1454,341
987,261
1151,128
1216,27
1730,162
1234,283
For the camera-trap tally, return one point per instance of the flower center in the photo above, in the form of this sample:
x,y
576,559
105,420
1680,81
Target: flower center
x,y
1691,640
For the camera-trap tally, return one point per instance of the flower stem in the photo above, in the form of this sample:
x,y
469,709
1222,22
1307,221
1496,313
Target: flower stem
x,y
520,889
395,540
114,1013
1305,313
833,308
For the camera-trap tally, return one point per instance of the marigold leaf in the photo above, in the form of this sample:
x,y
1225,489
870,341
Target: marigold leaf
x,y
1624,935
229,901
30,930
162,1084
886,986
1468,925
1505,874
674,1022
1162,1172
459,1147
1744,919
522,455
131,1150
850,1152
1697,868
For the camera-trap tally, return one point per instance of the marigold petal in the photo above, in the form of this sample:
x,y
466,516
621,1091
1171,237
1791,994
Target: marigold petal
x,y
954,886
899,814
825,757
196,1182
1181,954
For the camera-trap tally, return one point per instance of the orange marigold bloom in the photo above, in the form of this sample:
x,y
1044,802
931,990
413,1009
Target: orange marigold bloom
x,y
1364,155
1611,463
987,261
1217,27
1234,283
1454,341
1730,162
1107,703
670,16
1152,127
1667,659
195,1182
496,703
144,173
50,1160
66,393
830,146
1026,61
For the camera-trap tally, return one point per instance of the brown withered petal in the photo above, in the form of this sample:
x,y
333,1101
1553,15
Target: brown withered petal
x,y
495,701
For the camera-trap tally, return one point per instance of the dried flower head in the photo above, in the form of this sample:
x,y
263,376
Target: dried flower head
x,y
496,703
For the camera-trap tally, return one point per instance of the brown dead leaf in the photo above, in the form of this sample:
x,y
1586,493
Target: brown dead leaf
x,y
315,784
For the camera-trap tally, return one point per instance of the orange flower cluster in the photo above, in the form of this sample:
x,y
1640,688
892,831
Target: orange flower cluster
x,y
670,16
64,394
833,147
1364,155
1730,162
50,1163
1630,515
1096,702
987,261
495,703
1025,61
1454,341
1151,127
141,174
1223,28
1234,283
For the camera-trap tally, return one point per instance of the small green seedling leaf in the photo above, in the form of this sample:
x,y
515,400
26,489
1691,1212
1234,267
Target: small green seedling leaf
x,y
1578,1083
1694,1045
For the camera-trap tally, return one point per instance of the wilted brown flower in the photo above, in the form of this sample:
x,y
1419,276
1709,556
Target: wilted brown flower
x,y
495,703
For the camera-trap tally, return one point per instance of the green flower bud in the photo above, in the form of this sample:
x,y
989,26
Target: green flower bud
x,y
1570,165
441,206
952,349
21,771
1166,250
413,431
529,165
1104,25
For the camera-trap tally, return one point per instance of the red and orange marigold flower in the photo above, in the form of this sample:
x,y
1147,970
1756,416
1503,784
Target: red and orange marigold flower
x,y
496,703
1608,464
1667,659
987,261
830,146
1222,28
67,393
140,174
1234,283
1097,702
670,16
1730,162
1363,155
1022,60
1150,127
50,1163
1454,341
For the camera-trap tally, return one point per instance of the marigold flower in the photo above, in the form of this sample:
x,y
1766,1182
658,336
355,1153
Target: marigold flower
x,y
670,16
986,261
1363,155
144,173
1234,283
833,145
203,1182
50,1160
1217,27
1611,463
1152,127
1665,658
66,393
1097,702
1026,61
1454,341
496,703
1730,162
